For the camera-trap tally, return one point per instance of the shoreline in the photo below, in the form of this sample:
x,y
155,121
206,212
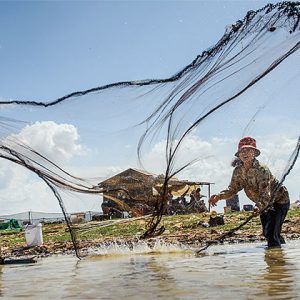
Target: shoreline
x,y
184,241
181,230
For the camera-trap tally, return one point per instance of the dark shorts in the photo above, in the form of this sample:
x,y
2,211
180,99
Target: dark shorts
x,y
272,221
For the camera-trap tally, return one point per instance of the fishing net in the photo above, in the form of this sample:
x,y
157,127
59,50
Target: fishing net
x,y
186,125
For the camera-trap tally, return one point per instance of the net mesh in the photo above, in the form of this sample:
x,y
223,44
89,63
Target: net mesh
x,y
246,84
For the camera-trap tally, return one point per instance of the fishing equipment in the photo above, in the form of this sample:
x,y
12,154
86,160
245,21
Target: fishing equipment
x,y
230,232
174,126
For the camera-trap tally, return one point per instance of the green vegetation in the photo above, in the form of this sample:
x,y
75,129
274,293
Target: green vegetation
x,y
293,213
55,234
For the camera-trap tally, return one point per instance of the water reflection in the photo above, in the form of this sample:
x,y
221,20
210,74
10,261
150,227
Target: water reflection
x,y
144,277
161,277
278,280
159,270
241,272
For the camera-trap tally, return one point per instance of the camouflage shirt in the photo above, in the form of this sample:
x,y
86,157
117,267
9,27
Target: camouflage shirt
x,y
259,185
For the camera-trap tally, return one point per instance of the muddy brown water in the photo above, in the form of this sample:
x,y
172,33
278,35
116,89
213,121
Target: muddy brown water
x,y
244,271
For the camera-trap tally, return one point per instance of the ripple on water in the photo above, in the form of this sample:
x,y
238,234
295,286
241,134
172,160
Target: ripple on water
x,y
246,271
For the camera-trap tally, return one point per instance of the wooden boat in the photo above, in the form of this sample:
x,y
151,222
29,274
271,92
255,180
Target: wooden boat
x,y
12,261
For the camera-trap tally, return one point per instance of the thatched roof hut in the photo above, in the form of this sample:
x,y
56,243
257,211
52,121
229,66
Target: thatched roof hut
x,y
137,189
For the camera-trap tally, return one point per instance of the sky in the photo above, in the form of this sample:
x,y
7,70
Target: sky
x,y
51,48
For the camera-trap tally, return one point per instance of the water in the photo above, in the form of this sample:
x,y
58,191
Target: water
x,y
246,271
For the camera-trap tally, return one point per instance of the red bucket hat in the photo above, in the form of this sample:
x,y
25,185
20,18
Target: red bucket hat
x,y
247,142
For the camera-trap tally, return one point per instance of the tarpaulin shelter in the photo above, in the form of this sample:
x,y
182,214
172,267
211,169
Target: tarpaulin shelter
x,y
11,224
136,191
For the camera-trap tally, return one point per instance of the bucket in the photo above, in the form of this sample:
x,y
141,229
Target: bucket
x,y
34,235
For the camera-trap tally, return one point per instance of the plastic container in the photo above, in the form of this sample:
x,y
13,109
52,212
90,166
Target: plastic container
x,y
34,235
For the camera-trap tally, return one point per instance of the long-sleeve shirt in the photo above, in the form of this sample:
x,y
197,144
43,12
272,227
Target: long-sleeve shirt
x,y
259,185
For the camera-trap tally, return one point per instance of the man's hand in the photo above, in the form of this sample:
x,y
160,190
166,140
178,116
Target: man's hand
x,y
213,200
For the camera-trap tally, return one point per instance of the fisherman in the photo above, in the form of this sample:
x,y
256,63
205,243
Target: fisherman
x,y
261,187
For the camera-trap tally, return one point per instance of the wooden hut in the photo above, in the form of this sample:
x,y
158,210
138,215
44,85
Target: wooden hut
x,y
135,191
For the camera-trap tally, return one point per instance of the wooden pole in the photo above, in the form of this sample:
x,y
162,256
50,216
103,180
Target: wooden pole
x,y
208,197
1,258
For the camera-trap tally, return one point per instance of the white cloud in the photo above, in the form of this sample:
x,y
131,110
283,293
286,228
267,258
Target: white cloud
x,y
58,142
24,191
21,190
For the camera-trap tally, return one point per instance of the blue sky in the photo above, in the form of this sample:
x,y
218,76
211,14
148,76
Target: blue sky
x,y
51,48
48,49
